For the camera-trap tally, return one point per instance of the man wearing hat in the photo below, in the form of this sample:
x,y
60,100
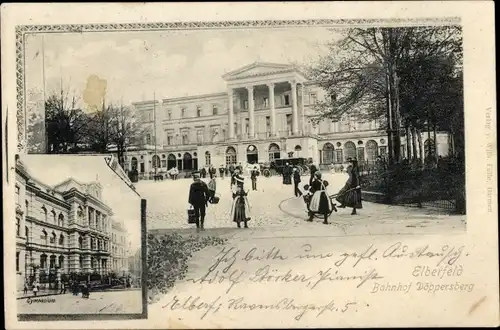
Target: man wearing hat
x,y
198,198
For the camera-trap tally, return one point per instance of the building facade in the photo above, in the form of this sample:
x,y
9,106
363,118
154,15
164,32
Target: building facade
x,y
119,249
61,229
265,113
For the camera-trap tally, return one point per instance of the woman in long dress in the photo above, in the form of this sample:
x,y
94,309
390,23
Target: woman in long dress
x,y
320,202
240,209
350,194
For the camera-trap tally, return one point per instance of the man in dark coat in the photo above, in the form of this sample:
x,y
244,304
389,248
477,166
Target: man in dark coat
x,y
198,198
296,181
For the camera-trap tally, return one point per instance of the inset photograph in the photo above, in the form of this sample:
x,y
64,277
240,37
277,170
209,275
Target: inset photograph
x,y
79,238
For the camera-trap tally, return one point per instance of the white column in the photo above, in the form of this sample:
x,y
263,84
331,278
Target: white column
x,y
302,110
251,115
272,108
295,124
230,113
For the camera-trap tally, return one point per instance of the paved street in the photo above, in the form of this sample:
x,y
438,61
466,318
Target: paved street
x,y
108,302
274,205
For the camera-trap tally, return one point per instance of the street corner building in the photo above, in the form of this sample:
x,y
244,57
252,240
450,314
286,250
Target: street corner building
x,y
65,230
266,113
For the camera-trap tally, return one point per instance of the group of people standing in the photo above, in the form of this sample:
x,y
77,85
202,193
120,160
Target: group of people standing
x,y
201,194
320,203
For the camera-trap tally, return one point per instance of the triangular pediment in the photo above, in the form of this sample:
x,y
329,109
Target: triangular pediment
x,y
258,69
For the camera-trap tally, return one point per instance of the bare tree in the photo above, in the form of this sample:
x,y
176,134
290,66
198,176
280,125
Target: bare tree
x,y
126,130
66,124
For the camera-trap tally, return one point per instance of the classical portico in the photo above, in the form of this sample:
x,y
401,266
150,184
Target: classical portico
x,y
264,80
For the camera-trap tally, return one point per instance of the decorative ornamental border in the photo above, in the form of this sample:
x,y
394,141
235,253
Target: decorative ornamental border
x,y
23,30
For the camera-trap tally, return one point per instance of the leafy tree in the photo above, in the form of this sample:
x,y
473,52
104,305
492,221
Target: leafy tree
x,y
362,73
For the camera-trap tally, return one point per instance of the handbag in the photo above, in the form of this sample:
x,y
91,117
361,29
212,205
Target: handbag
x,y
215,199
191,215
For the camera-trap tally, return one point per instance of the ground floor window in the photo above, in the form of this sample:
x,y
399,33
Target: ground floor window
x,y
208,160
361,154
231,156
274,152
339,155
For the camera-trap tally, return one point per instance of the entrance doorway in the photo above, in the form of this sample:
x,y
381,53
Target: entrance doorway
x,y
252,154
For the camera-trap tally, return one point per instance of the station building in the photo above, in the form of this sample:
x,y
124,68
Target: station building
x,y
264,114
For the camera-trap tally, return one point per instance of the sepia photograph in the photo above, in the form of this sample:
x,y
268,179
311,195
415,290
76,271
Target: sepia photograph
x,y
78,239
298,172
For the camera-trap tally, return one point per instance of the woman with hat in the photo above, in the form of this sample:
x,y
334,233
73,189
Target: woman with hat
x,y
320,202
240,209
350,194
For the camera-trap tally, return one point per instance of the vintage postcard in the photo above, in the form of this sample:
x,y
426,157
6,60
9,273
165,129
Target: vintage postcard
x,y
79,240
305,164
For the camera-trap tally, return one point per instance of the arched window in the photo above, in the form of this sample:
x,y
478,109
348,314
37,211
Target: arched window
x,y
349,150
252,154
133,163
52,262
80,242
60,221
187,161
54,217
53,237
79,213
274,152
45,215
43,261
171,161
61,239
61,262
27,207
156,161
45,237
328,154
371,150
208,159
230,156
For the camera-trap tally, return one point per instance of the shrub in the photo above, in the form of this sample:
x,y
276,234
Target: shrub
x,y
168,256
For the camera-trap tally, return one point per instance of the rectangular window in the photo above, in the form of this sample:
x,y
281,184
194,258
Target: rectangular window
x,y
169,114
18,195
185,138
266,102
289,123
313,98
170,140
18,227
163,163
215,109
247,125
235,128
286,99
17,261
198,111
183,112
245,104
199,135
340,156
268,124
148,139
150,115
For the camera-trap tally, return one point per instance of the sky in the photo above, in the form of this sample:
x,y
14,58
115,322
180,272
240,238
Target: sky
x,y
125,203
135,66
